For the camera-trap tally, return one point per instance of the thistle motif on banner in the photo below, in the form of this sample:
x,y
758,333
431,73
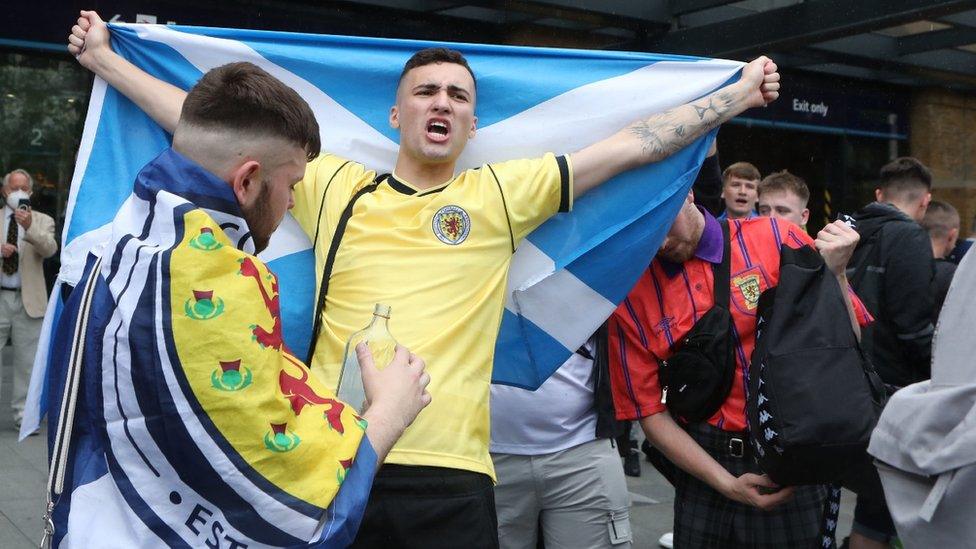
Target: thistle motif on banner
x,y
279,439
203,306
230,376
205,241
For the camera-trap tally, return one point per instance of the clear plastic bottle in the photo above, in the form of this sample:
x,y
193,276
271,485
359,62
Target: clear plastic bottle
x,y
381,343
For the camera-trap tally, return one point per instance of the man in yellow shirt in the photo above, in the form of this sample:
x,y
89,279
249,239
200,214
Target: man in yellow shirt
x,y
436,245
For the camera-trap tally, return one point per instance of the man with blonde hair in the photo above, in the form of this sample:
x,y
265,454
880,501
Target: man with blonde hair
x,y
784,196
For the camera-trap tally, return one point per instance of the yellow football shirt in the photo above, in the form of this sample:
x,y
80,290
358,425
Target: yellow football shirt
x,y
439,257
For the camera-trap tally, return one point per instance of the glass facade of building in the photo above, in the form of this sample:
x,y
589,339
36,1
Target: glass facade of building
x,y
43,101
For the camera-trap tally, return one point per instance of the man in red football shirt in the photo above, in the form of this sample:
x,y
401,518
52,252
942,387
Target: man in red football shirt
x,y
720,500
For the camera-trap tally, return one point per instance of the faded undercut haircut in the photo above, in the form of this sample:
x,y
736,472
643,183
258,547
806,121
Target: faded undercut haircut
x,y
785,181
430,56
243,97
905,177
940,218
742,170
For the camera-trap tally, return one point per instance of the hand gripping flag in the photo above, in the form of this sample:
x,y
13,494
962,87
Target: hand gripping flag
x,y
566,277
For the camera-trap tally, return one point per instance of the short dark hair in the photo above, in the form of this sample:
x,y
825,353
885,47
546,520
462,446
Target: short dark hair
x,y
742,170
785,181
905,175
244,97
940,218
429,56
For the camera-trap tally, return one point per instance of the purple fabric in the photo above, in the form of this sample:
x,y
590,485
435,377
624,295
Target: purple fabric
x,y
710,246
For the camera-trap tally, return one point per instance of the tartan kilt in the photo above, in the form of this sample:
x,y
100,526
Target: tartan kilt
x,y
703,518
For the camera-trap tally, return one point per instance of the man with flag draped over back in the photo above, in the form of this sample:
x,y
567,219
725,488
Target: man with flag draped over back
x,y
436,245
182,417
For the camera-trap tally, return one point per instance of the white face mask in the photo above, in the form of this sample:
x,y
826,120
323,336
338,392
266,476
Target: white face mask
x,y
13,199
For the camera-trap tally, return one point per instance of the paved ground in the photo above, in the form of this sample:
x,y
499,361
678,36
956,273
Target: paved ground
x,y
23,476
23,470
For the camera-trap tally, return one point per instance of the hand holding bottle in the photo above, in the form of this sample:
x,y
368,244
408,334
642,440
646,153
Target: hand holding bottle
x,y
382,347
394,395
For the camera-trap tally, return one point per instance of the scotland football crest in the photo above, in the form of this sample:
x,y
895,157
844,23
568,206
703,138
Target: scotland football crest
x,y
451,225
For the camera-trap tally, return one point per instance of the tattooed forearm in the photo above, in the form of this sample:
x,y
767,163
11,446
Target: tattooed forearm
x,y
659,135
663,134
717,104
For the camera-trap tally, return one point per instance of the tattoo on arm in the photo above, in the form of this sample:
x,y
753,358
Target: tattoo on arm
x,y
653,135
665,133
717,103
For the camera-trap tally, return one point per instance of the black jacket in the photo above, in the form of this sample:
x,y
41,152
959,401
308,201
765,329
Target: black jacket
x,y
708,186
891,271
944,271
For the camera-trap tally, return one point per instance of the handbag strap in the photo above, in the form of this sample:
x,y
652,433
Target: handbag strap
x,y
721,271
330,261
66,416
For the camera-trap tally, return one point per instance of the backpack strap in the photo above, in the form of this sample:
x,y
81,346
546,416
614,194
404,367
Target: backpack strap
x,y
831,510
330,260
721,272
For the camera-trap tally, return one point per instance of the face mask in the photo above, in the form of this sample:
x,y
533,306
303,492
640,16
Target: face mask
x,y
13,199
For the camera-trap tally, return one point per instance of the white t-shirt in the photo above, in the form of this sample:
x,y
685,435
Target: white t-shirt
x,y
559,415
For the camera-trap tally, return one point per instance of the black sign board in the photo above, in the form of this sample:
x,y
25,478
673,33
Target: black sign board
x,y
830,105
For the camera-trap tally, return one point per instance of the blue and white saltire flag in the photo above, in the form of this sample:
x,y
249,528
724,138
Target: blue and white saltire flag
x,y
567,276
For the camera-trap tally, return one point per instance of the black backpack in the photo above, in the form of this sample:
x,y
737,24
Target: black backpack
x,y
814,397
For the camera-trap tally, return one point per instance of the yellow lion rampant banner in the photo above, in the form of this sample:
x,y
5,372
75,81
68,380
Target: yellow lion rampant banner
x,y
195,424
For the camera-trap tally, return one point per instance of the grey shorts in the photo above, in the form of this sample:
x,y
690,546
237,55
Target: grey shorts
x,y
577,496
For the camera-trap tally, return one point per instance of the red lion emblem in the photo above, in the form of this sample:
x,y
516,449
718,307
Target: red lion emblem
x,y
266,338
300,394
452,226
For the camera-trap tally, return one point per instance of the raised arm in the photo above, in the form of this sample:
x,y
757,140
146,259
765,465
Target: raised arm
x,y
836,243
89,43
661,135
